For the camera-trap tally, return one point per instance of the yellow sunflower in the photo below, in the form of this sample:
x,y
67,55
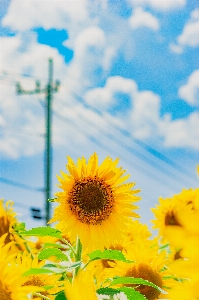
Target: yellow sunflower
x,y
40,280
11,280
82,287
177,217
148,264
7,222
187,269
187,290
136,233
94,203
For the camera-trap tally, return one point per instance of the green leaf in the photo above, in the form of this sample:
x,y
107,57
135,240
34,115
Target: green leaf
x,y
108,254
34,271
50,266
129,292
132,294
48,252
19,227
47,245
42,231
52,199
75,264
61,296
47,287
107,291
132,280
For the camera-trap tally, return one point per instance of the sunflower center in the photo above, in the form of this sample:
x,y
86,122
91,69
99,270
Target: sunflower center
x,y
35,281
170,219
5,294
147,273
91,200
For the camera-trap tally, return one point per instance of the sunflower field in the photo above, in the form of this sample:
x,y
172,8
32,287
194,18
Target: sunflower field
x,y
95,247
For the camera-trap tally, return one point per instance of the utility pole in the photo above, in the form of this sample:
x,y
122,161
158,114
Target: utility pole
x,y
48,90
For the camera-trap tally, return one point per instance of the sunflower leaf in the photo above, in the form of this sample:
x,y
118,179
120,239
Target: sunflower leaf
x,y
42,231
48,252
34,271
61,296
75,265
107,291
132,280
108,254
132,294
47,245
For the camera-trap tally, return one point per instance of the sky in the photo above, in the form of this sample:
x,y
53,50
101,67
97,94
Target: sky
x,y
129,88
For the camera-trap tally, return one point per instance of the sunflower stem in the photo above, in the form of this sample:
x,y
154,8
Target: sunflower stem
x,y
69,245
78,255
26,245
41,296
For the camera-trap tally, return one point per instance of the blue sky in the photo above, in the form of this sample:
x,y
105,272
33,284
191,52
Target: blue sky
x,y
129,74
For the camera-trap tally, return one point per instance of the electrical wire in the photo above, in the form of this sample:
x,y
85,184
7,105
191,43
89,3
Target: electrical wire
x,y
104,146
157,154
132,150
21,185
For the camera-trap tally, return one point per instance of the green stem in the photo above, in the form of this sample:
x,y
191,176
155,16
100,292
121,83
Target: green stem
x,y
69,245
41,296
78,255
26,245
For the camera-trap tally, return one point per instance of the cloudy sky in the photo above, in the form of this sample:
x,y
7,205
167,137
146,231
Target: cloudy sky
x,y
129,74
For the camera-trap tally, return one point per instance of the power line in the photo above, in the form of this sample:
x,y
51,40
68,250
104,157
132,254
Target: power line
x,y
102,145
20,185
132,150
157,154
19,131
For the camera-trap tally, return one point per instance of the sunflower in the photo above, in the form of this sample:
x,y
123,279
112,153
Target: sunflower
x,y
94,203
177,217
147,263
11,279
82,287
136,233
40,280
8,221
187,270
187,290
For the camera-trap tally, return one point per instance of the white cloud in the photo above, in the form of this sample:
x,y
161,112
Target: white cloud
x,y
141,18
92,57
104,98
176,48
162,5
190,91
145,115
24,15
181,132
23,116
22,54
190,34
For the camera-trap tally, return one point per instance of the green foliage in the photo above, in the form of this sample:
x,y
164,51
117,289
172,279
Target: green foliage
x,y
35,271
131,280
47,245
132,294
61,296
49,252
129,292
42,231
107,291
108,254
